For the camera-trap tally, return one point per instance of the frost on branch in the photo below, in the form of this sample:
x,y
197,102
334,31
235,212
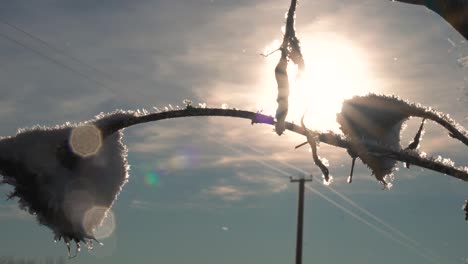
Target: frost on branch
x,y
67,176
290,50
313,142
417,138
281,75
378,119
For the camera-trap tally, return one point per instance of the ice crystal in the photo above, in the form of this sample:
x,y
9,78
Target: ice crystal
x,y
202,105
327,180
187,102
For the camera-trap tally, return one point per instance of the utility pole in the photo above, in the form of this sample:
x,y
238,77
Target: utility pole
x,y
300,217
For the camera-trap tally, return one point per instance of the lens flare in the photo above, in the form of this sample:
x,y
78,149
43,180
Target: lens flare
x,y
151,179
85,140
107,226
183,158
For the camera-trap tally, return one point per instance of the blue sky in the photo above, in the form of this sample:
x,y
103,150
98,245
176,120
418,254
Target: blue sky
x,y
212,190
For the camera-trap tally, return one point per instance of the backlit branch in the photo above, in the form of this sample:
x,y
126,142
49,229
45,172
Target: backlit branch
x,y
290,50
329,137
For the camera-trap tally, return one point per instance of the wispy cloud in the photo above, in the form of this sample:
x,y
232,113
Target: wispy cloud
x,y
140,204
227,192
269,183
246,184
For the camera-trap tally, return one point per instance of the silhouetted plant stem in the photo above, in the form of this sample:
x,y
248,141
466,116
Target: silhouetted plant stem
x,y
329,137
290,50
417,138
311,139
454,132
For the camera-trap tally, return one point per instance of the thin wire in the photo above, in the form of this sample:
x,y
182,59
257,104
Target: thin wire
x,y
376,228
52,47
358,207
414,245
50,59
282,172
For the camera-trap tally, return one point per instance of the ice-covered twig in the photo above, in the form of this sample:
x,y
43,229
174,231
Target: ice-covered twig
x,y
408,109
456,131
290,40
54,170
329,137
417,138
312,140
281,75
290,50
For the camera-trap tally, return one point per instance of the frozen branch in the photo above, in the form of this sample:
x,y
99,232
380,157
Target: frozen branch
x,y
329,138
290,50
312,140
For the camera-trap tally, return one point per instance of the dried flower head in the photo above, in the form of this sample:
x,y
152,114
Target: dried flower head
x,y
67,176
377,119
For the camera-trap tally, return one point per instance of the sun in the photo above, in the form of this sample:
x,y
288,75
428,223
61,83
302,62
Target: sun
x,y
335,70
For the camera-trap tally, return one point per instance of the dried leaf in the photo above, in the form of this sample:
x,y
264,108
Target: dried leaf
x,y
67,176
374,119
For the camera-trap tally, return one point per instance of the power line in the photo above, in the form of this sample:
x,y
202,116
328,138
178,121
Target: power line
x,y
54,48
53,60
357,206
373,226
409,243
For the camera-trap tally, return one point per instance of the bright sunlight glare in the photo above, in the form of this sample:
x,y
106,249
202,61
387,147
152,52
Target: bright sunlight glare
x,y
336,70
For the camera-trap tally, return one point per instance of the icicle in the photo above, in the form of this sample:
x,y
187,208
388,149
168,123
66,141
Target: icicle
x,y
89,245
327,180
350,177
67,242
